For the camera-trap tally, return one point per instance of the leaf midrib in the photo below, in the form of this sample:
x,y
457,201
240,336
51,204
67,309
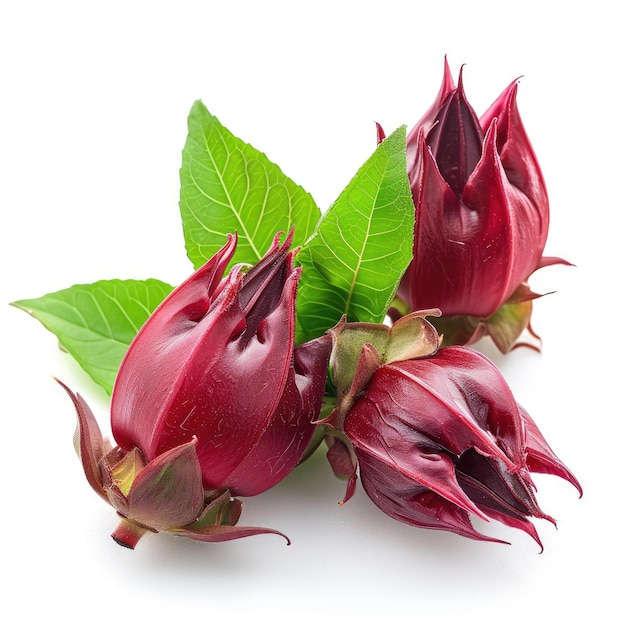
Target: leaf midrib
x,y
222,181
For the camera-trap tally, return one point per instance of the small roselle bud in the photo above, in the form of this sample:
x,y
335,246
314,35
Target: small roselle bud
x,y
439,438
482,217
212,400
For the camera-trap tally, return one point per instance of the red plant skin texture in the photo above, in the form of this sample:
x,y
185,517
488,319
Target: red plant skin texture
x,y
482,218
217,361
434,434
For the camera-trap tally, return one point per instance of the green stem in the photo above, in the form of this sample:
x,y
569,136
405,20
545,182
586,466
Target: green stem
x,y
401,306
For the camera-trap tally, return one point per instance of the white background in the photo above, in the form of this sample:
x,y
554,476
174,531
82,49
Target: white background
x,y
93,106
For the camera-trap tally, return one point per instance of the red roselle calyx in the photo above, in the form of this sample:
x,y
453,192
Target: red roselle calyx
x,y
482,217
435,437
212,400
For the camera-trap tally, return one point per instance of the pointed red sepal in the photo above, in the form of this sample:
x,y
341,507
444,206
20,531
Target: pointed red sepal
x,y
218,521
456,139
426,121
547,261
518,156
215,534
380,133
90,445
540,456
343,464
522,524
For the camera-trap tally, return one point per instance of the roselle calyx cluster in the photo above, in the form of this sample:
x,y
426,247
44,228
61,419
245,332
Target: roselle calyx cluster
x,y
434,434
482,218
213,400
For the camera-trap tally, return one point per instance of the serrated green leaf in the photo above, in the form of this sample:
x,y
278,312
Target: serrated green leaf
x,y
96,322
362,246
228,186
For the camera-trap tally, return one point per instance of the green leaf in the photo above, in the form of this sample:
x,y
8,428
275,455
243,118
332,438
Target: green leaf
x,y
228,186
362,246
96,322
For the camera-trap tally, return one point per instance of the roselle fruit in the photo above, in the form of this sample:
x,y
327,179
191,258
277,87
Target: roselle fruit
x,y
436,436
482,218
212,400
